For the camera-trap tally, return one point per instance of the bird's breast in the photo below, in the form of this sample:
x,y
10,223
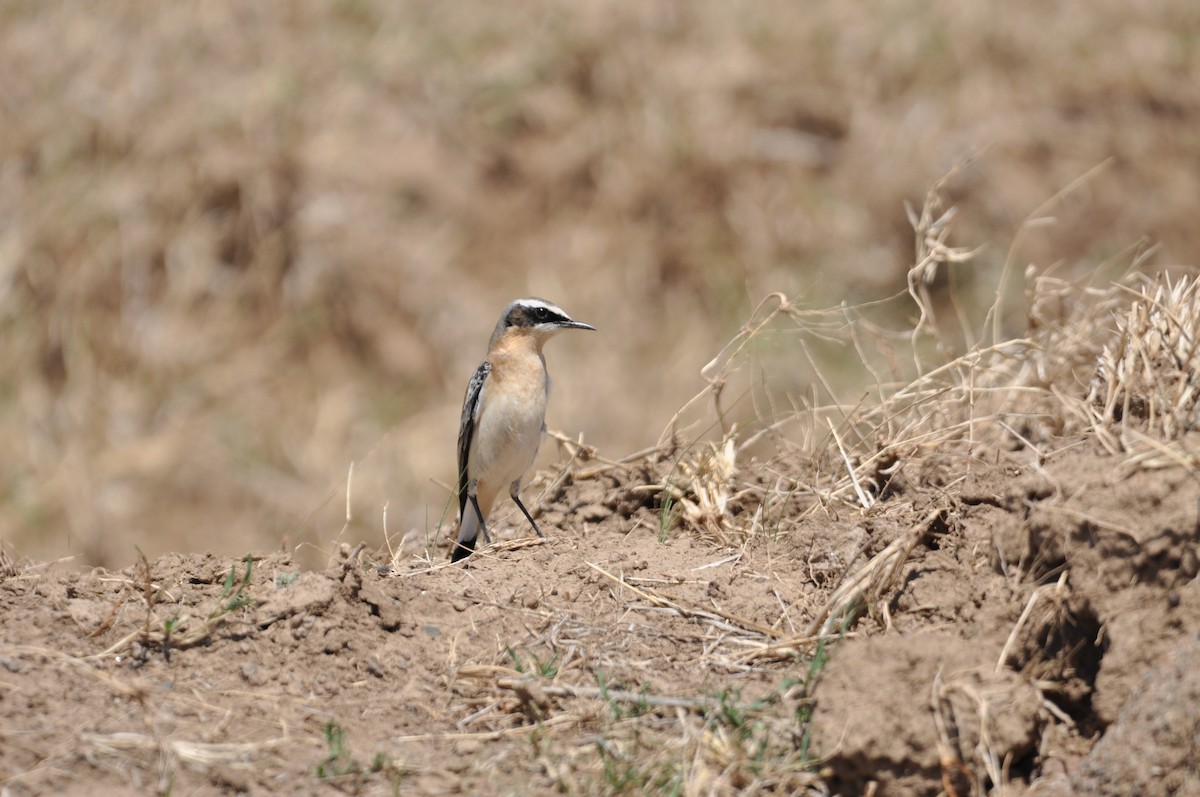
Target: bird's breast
x,y
511,420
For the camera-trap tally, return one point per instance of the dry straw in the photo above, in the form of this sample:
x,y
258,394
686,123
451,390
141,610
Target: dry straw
x,y
1148,374
1085,360
846,446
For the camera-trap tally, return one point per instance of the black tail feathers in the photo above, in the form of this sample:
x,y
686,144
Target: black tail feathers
x,y
462,550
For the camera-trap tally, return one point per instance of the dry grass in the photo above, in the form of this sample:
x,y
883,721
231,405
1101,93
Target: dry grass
x,y
8,567
1148,374
228,236
834,456
922,399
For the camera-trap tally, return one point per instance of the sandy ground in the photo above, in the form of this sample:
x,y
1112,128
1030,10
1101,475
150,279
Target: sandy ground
x,y
1037,625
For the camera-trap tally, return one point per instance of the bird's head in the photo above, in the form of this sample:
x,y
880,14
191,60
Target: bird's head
x,y
536,317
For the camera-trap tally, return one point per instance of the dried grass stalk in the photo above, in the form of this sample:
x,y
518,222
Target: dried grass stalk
x,y
1149,372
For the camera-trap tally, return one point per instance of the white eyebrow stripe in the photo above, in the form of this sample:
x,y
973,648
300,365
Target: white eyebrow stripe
x,y
535,303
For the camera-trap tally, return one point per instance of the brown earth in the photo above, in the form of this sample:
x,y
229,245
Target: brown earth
x,y
1037,596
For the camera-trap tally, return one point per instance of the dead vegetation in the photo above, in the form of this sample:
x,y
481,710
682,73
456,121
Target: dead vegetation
x,y
1147,375
876,553
227,242
879,457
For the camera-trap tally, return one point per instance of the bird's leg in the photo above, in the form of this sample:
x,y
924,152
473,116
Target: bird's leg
x,y
478,514
515,492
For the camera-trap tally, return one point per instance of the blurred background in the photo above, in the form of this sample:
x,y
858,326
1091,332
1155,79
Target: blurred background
x,y
243,245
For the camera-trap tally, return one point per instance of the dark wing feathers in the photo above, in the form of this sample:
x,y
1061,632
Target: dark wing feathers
x,y
466,428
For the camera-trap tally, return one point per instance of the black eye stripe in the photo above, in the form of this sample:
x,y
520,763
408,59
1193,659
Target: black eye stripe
x,y
529,315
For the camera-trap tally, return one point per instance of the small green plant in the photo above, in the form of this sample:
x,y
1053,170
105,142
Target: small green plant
x,y
235,590
668,513
284,580
337,762
670,507
340,764
176,632
731,713
169,626
544,669
804,710
549,668
750,735
623,776
382,762
621,709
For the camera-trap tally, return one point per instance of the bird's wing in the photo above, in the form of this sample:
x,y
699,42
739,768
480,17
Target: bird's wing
x,y
466,428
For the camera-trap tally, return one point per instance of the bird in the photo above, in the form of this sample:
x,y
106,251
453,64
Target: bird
x,y
504,415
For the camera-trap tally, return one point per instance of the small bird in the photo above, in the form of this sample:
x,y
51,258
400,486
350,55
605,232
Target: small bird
x,y
504,415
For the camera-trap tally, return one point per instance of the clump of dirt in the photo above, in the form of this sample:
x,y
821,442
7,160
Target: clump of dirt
x,y
906,711
1151,747
1066,581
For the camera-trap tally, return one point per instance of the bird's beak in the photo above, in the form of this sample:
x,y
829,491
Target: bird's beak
x,y
577,325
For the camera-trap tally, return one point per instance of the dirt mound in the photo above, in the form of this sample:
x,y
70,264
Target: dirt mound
x,y
1020,609
1151,748
1029,674
905,712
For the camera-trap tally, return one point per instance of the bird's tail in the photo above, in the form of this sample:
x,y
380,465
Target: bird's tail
x,y
468,532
